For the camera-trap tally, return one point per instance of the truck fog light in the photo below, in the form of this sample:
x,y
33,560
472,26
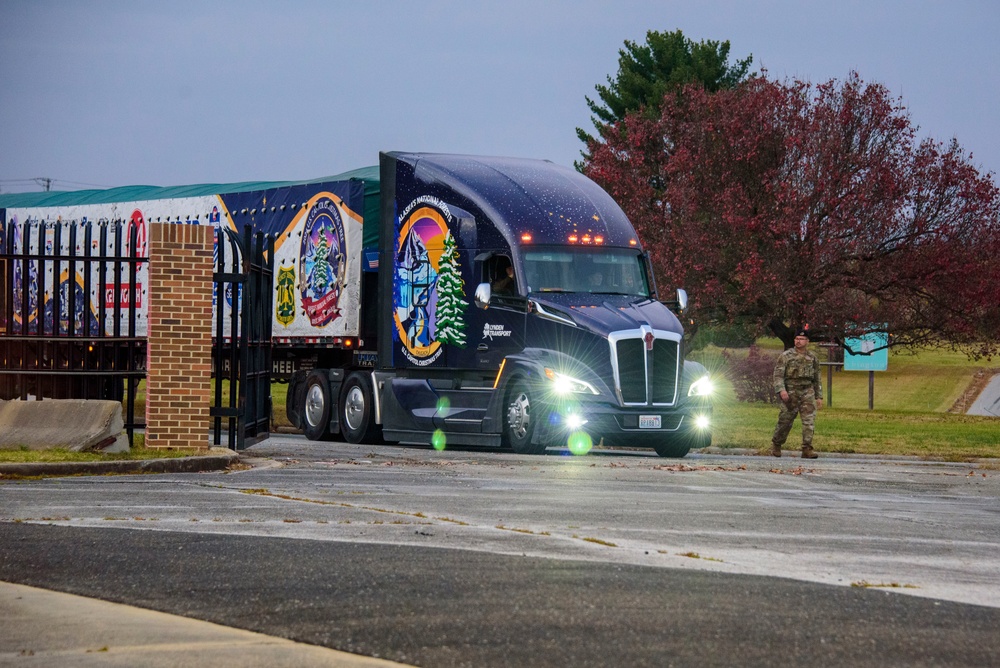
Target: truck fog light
x,y
701,421
574,421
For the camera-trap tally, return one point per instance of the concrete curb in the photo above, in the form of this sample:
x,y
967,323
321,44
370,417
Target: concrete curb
x,y
793,453
215,461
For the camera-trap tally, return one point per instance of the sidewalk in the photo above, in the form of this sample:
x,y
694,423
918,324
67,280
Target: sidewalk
x,y
46,628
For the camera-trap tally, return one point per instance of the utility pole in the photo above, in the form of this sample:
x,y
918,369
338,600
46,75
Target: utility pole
x,y
44,182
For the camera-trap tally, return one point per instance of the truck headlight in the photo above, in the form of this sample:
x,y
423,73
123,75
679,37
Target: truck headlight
x,y
563,384
702,387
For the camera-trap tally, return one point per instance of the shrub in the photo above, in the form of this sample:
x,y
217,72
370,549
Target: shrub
x,y
752,375
735,335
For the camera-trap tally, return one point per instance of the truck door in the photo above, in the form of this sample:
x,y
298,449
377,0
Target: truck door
x,y
500,328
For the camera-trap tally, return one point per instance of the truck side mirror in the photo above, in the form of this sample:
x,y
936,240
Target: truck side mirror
x,y
483,295
680,304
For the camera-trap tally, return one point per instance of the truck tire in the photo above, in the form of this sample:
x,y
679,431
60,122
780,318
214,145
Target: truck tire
x,y
674,448
316,407
520,422
357,410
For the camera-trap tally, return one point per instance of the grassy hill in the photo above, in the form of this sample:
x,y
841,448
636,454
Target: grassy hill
x,y
911,403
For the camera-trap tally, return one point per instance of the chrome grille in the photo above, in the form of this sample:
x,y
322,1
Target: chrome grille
x,y
663,379
645,377
631,371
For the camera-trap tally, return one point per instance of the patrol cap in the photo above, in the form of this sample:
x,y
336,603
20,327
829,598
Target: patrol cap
x,y
802,332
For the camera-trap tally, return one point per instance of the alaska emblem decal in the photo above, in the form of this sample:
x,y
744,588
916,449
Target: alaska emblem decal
x,y
322,263
428,289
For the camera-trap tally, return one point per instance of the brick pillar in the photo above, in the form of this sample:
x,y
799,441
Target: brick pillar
x,y
179,344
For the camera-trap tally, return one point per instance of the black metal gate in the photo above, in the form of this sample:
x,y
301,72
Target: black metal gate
x,y
69,313
242,337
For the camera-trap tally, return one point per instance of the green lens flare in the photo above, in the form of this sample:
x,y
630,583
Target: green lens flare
x,y
443,406
438,439
580,443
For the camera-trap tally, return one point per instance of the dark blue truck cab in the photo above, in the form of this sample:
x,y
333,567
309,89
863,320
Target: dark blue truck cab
x,y
516,307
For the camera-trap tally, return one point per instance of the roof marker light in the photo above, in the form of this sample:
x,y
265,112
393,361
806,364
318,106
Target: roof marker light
x,y
526,237
598,239
573,238
633,242
586,238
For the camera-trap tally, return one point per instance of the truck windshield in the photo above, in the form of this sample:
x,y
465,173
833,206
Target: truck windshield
x,y
607,271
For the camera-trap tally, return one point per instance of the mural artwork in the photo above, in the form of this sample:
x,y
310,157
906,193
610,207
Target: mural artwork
x,y
428,289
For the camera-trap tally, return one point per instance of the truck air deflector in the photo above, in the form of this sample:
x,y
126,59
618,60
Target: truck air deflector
x,y
645,365
519,196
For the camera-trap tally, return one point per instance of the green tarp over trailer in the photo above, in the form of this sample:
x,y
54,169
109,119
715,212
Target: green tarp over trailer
x,y
368,175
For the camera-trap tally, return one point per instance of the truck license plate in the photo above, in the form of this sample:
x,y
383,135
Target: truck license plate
x,y
649,422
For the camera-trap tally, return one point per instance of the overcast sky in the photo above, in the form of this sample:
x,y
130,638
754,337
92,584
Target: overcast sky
x,y
172,93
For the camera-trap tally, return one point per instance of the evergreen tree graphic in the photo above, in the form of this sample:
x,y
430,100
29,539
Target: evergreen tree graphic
x,y
451,303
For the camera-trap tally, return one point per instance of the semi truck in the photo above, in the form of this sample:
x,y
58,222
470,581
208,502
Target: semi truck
x,y
448,300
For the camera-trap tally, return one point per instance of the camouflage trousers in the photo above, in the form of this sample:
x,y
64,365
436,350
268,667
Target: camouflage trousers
x,y
800,402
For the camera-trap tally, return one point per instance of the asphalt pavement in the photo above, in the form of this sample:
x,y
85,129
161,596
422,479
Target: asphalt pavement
x,y
294,596
46,628
441,607
988,401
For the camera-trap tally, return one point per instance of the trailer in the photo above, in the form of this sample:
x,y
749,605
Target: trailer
x,y
447,300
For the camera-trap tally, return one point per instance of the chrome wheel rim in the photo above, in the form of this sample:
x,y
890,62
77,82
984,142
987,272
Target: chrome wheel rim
x,y
519,416
354,408
315,405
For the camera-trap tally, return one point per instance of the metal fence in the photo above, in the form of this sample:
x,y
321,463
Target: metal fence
x,y
69,317
73,326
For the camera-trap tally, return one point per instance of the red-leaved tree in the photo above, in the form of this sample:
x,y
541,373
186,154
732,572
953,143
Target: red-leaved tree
x,y
786,204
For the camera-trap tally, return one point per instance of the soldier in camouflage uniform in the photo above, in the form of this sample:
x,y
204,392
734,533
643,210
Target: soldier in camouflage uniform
x,y
796,381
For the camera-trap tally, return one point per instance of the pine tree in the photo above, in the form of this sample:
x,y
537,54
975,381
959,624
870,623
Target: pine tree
x,y
451,303
666,61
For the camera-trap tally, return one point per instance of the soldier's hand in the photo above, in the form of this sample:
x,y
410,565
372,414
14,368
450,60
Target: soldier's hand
x,y
784,396
819,404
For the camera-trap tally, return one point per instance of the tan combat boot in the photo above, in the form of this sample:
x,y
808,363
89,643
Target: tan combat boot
x,y
775,450
808,452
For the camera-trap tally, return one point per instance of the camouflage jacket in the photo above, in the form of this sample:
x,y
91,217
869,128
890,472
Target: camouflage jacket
x,y
797,372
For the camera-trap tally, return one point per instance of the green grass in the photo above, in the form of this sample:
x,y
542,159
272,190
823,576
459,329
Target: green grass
x,y
929,381
25,456
911,400
847,430
279,393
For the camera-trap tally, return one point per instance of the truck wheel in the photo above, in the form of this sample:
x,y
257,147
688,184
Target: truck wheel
x,y
674,448
521,422
316,408
357,410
